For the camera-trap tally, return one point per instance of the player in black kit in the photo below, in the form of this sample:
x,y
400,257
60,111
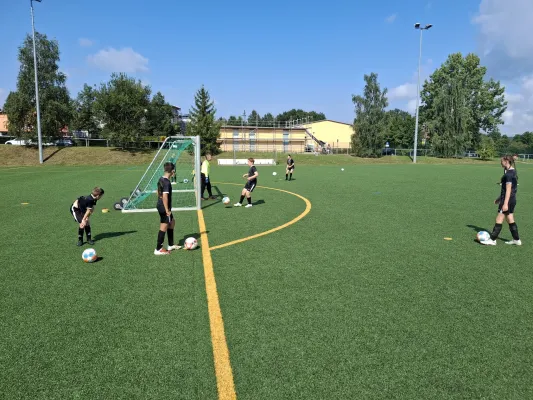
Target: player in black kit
x,y
506,203
164,207
251,183
290,168
81,210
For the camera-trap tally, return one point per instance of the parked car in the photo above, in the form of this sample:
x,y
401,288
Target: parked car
x,y
65,143
18,142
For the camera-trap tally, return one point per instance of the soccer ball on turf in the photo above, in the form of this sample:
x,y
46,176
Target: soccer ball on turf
x,y
274,173
482,236
191,243
226,200
185,180
89,255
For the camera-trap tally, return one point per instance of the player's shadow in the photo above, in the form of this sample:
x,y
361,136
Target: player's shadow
x,y
218,200
479,229
109,235
256,203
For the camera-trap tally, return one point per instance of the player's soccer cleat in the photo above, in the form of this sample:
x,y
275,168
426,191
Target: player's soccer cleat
x,y
213,197
173,247
248,206
80,243
488,242
162,252
204,198
237,205
91,242
515,242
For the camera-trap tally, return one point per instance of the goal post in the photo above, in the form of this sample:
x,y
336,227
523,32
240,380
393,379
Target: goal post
x,y
184,153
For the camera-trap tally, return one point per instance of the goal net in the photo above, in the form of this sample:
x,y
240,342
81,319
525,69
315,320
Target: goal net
x,y
184,152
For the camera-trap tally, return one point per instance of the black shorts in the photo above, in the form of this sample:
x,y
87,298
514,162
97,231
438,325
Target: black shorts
x,y
290,167
250,186
76,213
163,217
510,209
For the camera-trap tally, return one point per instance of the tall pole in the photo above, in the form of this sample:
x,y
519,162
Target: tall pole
x,y
417,98
39,136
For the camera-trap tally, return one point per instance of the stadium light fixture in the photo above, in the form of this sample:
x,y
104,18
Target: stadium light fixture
x,y
418,26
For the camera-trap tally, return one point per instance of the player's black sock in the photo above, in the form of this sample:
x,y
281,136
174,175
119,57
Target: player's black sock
x,y
80,235
242,198
496,231
249,200
160,240
88,233
286,176
514,231
170,236
290,177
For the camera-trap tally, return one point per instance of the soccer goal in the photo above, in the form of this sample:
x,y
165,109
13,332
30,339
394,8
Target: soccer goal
x,y
184,152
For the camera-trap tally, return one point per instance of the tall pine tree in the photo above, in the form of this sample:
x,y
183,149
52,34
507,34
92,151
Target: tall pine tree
x,y
203,122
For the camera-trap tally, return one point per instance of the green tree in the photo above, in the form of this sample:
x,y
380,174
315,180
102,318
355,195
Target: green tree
x,y
85,118
159,117
122,105
487,148
300,114
400,128
267,120
203,122
54,100
480,104
370,123
254,118
502,144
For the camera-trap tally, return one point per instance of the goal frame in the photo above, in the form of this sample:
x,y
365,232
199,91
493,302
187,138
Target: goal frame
x,y
197,178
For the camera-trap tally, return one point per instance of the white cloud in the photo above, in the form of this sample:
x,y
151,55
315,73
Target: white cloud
x,y
411,106
83,42
391,18
506,45
407,90
123,60
505,36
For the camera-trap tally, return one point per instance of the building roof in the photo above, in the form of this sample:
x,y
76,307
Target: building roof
x,y
327,120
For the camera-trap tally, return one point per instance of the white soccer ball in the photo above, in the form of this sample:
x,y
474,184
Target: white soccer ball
x,y
185,180
274,173
482,236
226,200
89,255
191,243
342,169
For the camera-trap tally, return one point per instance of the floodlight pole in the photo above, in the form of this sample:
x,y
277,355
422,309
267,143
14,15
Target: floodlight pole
x,y
39,136
417,26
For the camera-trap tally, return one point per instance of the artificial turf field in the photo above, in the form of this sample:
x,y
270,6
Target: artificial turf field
x,y
362,298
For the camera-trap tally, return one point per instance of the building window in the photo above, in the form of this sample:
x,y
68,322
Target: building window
x,y
285,141
252,141
236,139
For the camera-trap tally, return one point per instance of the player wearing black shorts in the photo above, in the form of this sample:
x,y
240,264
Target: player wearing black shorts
x,y
506,203
290,168
81,210
164,207
251,183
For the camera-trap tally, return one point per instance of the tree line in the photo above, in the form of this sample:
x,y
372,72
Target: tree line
x,y
460,111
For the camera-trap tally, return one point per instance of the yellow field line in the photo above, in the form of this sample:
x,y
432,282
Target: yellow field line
x,y
293,221
223,372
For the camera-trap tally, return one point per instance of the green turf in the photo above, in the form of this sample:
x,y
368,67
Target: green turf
x,y
361,299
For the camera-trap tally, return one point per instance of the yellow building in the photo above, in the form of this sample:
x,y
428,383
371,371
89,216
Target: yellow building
x,y
333,133
287,137
3,122
264,139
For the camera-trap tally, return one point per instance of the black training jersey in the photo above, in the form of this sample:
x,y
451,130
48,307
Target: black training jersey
x,y
290,162
86,203
164,186
251,172
511,178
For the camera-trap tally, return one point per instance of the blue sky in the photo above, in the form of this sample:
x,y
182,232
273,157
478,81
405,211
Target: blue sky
x,y
282,55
